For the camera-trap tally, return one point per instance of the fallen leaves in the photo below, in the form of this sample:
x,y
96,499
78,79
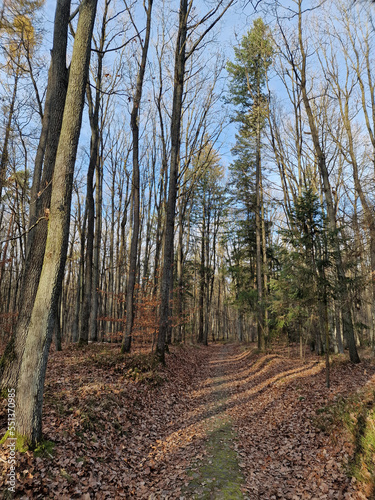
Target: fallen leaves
x,y
124,437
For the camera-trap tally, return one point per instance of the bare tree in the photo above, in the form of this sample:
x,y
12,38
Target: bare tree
x,y
134,119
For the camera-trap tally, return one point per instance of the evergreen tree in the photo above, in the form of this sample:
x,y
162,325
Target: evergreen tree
x,y
298,291
248,79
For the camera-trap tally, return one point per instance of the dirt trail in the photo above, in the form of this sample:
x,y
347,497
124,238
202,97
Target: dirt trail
x,y
218,474
218,422
262,442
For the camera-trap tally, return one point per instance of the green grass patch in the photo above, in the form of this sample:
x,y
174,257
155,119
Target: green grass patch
x,y
4,393
21,444
45,449
218,475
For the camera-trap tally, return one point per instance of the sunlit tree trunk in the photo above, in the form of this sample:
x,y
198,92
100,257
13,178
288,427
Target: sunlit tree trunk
x,y
57,84
134,122
29,399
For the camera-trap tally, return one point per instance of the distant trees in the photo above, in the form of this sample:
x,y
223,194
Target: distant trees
x,y
208,209
168,243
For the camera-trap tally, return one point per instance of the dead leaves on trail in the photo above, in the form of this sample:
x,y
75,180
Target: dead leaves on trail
x,y
274,405
115,436
121,428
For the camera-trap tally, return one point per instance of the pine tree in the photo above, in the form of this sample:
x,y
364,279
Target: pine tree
x,y
248,79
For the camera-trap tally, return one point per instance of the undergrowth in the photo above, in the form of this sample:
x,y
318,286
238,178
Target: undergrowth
x,y
144,368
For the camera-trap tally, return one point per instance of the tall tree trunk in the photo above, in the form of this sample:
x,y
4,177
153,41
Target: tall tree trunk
x,y
179,73
202,283
29,399
264,263
258,237
320,157
81,270
368,213
92,233
93,332
57,85
146,260
343,96
180,255
90,210
134,120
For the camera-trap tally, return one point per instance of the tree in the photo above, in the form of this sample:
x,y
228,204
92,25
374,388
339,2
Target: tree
x,y
34,361
134,121
182,53
95,105
40,193
248,80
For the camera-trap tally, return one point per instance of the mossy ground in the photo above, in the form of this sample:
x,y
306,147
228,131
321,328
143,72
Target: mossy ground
x,y
21,441
217,475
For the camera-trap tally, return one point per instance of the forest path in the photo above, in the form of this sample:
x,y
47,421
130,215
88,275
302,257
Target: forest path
x,y
217,474
261,440
221,421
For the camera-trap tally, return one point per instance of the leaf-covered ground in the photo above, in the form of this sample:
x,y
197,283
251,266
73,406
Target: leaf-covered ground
x,y
122,428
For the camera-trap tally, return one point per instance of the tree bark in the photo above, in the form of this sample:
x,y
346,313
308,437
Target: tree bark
x,y
202,280
29,398
134,119
179,71
258,237
56,93
320,157
93,331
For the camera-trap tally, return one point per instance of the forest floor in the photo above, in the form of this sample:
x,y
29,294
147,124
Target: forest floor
x,y
222,421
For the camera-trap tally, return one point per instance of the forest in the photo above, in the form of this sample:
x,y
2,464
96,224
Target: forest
x,y
187,249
